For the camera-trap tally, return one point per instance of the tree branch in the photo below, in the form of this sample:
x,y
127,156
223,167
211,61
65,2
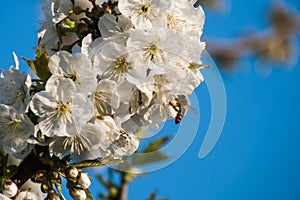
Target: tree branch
x,y
123,190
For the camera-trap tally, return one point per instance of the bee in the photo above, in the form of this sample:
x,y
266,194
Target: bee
x,y
180,105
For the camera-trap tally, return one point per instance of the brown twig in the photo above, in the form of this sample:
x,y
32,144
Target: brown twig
x,y
123,190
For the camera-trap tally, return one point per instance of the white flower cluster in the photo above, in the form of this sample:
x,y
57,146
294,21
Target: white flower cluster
x,y
146,58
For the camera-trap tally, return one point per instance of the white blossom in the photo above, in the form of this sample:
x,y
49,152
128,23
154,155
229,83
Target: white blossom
x,y
28,194
159,47
63,112
15,129
78,144
106,97
77,68
55,11
116,142
14,89
57,16
125,145
183,17
145,13
117,62
112,26
109,132
192,51
4,197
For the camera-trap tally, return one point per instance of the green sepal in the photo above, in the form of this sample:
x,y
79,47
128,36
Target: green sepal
x,y
89,195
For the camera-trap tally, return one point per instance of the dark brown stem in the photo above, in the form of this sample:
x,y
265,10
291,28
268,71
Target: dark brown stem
x,y
123,191
29,166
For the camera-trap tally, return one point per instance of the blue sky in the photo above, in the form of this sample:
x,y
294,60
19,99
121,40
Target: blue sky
x,y
257,156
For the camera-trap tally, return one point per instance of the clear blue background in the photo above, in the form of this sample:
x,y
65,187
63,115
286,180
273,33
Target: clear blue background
x,y
257,156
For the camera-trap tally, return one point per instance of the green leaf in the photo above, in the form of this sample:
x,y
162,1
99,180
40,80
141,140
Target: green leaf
x,y
40,64
147,158
95,163
89,195
156,144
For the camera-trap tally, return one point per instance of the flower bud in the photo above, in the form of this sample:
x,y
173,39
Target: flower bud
x,y
10,189
84,180
72,172
77,193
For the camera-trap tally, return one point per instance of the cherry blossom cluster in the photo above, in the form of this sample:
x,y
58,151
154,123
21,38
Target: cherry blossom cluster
x,y
114,67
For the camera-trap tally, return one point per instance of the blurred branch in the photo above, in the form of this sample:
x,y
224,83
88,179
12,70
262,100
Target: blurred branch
x,y
123,192
272,44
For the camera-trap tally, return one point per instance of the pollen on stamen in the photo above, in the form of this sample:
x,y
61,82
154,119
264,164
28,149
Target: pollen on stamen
x,y
152,49
76,144
144,9
63,108
121,63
